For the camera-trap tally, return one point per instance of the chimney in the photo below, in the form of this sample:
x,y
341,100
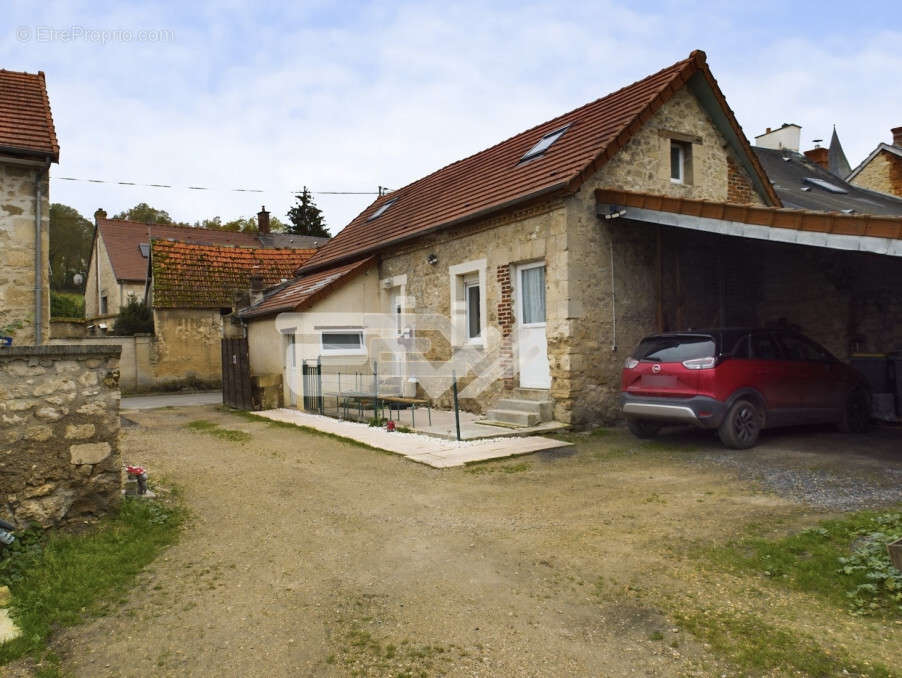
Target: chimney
x,y
819,156
263,220
256,288
98,215
897,136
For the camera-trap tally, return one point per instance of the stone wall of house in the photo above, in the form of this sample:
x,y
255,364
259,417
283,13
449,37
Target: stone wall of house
x,y
530,234
102,281
17,251
59,433
187,347
883,173
643,164
613,265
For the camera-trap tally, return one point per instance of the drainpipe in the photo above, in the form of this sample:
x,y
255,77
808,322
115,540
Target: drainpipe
x,y
38,258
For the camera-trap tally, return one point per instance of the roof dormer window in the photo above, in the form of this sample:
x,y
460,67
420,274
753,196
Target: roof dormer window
x,y
544,143
144,248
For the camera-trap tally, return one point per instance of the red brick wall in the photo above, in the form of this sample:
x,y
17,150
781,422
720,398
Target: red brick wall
x,y
506,323
739,188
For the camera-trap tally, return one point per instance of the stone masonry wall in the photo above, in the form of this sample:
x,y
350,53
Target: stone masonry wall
x,y
530,234
883,173
17,249
59,433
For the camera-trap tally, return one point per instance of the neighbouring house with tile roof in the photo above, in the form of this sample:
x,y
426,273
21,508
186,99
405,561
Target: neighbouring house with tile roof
x,y
121,249
191,287
534,267
28,146
882,169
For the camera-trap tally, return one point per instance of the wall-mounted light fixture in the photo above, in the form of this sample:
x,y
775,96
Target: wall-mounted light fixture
x,y
432,260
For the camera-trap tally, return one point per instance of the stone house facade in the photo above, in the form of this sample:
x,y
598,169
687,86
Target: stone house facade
x,y
595,294
28,146
882,170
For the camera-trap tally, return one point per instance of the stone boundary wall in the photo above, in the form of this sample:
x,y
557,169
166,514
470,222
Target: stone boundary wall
x,y
59,433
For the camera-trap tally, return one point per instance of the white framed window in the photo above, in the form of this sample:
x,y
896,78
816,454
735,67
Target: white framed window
x,y
468,303
680,162
342,342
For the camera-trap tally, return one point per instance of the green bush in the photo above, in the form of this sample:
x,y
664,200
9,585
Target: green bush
x,y
66,305
134,318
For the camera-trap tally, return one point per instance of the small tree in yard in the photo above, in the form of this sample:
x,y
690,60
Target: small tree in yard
x,y
134,318
306,218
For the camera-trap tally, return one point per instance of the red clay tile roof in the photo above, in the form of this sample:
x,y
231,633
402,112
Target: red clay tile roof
x,y
208,276
775,217
123,239
295,295
495,179
26,124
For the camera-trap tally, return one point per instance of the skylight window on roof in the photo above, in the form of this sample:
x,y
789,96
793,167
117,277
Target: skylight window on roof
x,y
379,212
145,249
544,143
826,185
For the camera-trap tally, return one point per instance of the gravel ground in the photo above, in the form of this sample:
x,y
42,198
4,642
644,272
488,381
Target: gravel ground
x,y
306,556
814,466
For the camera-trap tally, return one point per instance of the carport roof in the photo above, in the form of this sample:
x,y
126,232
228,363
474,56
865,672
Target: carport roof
x,y
864,232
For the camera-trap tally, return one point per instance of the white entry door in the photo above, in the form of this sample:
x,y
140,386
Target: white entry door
x,y
291,374
532,346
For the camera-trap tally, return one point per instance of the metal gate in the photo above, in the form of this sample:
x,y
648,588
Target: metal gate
x,y
236,374
313,385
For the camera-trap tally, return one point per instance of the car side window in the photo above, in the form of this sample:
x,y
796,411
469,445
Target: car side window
x,y
803,349
763,347
740,349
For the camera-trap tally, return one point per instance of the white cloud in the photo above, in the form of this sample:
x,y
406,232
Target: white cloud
x,y
382,93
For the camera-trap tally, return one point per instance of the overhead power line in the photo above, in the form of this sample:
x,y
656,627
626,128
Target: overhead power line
x,y
381,191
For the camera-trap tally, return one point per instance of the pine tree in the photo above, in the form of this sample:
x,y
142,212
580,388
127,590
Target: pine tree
x,y
306,218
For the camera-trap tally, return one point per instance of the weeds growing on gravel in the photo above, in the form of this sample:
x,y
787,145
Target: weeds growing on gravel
x,y
755,646
843,560
58,579
208,427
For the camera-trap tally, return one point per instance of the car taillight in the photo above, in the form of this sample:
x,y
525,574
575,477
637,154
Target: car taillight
x,y
700,363
630,363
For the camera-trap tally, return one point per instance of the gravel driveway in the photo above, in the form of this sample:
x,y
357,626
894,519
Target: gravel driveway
x,y
306,556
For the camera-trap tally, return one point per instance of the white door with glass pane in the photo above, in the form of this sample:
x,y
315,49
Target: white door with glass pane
x,y
292,373
532,345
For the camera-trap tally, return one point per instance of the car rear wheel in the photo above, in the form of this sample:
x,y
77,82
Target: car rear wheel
x,y
741,426
856,417
643,428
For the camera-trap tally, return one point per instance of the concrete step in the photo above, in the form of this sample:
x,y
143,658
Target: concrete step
x,y
531,394
543,408
517,417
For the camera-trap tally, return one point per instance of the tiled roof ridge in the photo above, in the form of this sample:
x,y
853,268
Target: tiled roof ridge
x,y
694,56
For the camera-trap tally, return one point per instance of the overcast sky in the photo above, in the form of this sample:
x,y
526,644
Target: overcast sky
x,y
348,96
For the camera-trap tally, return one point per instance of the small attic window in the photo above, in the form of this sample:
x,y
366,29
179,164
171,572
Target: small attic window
x,y
145,249
379,212
544,143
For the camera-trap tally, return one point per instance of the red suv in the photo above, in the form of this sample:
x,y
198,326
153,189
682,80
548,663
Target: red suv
x,y
739,381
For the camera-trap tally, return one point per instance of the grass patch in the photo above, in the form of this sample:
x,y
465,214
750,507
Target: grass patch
x,y
208,427
755,646
59,579
481,468
843,560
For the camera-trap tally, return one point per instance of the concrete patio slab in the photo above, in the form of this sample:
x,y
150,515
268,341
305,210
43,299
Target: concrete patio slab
x,y
424,449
